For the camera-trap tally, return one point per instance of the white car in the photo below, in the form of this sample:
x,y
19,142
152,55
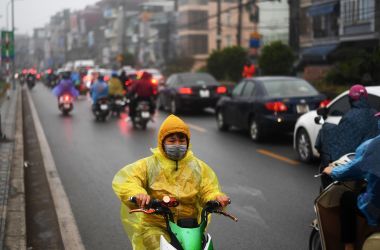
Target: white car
x,y
306,130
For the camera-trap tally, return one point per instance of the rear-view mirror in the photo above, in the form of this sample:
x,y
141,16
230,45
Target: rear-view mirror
x,y
319,120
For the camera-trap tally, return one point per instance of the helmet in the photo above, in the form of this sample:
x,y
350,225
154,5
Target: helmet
x,y
114,74
357,91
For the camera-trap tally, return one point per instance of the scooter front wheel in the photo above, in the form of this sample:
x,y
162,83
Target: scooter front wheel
x,y
315,240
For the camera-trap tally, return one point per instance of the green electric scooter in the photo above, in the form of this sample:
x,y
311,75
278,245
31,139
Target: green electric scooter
x,y
186,234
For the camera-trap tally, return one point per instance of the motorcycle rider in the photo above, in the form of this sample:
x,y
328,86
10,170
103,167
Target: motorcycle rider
x,y
355,127
65,86
98,90
141,90
172,170
366,165
115,87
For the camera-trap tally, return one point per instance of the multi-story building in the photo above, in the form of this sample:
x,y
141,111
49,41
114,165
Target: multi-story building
x,y
328,26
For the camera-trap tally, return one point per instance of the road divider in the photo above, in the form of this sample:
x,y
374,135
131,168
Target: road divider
x,y
277,157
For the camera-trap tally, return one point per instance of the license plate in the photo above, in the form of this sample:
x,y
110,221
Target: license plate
x,y
145,114
204,93
104,107
302,108
66,105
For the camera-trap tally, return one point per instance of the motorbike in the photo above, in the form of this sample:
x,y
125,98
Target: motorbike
x,y
65,103
118,104
142,115
101,109
186,234
31,81
325,232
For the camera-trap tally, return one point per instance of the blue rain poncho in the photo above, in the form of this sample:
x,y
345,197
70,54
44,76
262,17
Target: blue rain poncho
x,y
65,86
356,126
366,165
99,90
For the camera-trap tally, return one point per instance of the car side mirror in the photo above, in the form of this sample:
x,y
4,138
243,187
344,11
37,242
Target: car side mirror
x,y
319,120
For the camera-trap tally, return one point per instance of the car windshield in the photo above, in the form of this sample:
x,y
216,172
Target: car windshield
x,y
197,79
289,88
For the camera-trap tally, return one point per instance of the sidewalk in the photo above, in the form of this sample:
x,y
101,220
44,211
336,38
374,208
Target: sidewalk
x,y
12,205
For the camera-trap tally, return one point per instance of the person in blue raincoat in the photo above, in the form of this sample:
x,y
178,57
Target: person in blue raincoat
x,y
98,90
356,126
65,86
365,165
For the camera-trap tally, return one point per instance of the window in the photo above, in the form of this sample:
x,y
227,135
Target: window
x,y
238,89
194,19
197,79
194,44
289,88
248,89
340,107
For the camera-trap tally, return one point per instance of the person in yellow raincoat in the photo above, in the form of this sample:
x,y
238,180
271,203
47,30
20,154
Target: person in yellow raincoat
x,y
115,87
172,170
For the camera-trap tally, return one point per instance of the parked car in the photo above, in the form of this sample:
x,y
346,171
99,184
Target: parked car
x,y
306,130
189,91
264,105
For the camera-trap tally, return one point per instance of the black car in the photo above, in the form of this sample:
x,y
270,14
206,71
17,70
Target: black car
x,y
264,105
189,91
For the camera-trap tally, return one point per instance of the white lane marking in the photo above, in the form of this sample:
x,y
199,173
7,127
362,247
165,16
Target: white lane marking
x,y
68,227
197,128
257,193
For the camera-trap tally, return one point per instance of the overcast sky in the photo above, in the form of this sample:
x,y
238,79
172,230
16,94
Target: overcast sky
x,y
31,14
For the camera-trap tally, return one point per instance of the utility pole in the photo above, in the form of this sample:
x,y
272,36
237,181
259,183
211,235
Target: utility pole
x,y
13,59
219,26
240,20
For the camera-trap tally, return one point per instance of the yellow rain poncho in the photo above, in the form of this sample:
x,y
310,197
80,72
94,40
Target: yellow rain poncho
x,y
191,181
115,87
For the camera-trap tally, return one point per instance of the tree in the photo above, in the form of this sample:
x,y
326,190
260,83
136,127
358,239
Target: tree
x,y
276,59
227,64
129,59
215,64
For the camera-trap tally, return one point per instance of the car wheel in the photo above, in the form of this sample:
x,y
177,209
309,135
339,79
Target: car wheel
x,y
220,121
315,240
173,107
303,146
255,131
159,103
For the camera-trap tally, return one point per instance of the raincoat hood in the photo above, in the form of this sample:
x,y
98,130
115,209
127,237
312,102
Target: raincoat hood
x,y
361,103
145,76
172,124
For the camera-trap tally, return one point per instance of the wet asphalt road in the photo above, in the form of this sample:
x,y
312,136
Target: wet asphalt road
x,y
272,199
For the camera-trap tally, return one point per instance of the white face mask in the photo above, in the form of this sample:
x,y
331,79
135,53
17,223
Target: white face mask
x,y
175,152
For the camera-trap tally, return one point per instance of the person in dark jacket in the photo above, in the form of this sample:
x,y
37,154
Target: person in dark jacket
x,y
141,90
356,126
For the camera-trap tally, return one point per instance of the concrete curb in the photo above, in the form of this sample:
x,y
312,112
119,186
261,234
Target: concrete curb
x,y
68,227
15,229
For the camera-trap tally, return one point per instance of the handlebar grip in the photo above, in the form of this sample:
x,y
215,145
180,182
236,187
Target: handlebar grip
x,y
213,204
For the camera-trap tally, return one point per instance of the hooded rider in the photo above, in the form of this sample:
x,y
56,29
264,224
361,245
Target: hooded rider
x,y
65,86
141,90
172,170
365,165
98,90
356,126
